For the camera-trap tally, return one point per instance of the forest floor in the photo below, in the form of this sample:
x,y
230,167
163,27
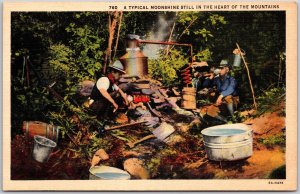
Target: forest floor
x,y
181,156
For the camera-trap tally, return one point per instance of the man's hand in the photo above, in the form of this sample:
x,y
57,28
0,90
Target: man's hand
x,y
124,96
115,106
219,100
211,76
125,99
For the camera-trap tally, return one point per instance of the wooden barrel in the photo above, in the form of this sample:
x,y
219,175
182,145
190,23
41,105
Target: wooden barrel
x,y
32,128
188,98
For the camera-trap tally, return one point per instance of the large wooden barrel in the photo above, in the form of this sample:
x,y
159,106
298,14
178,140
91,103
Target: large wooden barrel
x,y
32,128
188,98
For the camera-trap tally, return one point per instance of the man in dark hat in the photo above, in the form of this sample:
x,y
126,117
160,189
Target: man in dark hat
x,y
226,88
106,94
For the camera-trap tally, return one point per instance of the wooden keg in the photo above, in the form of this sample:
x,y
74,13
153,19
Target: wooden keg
x,y
32,128
188,98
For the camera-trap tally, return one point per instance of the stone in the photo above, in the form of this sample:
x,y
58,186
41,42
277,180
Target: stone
x,y
174,139
130,154
148,91
183,112
143,112
98,156
86,87
176,93
183,127
158,100
172,101
135,167
163,92
122,118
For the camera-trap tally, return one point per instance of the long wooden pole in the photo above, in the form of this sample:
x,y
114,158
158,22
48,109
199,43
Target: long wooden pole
x,y
248,72
125,125
112,21
171,33
118,34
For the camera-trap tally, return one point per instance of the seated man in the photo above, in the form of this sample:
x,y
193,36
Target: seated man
x,y
105,92
226,88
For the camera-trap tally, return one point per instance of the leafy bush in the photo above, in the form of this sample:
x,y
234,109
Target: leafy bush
x,y
164,68
271,100
64,119
273,140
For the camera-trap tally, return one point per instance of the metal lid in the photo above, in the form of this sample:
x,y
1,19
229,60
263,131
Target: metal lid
x,y
132,37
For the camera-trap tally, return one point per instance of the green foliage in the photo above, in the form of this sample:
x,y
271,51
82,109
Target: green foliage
x,y
155,162
273,140
98,143
29,102
86,45
271,100
63,118
204,55
214,19
164,68
61,60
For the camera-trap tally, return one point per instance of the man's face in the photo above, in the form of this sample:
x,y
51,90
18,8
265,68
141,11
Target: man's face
x,y
116,75
224,71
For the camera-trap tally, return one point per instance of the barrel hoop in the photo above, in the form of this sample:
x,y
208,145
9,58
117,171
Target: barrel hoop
x,y
47,130
228,145
57,128
53,130
27,128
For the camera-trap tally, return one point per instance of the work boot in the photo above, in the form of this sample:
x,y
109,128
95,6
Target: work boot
x,y
230,109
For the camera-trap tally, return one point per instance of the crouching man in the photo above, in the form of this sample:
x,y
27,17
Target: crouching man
x,y
106,95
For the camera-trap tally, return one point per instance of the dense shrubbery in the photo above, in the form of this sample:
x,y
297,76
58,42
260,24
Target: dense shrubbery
x,y
164,68
271,100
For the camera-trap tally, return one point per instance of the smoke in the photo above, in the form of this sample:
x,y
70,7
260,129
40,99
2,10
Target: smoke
x,y
160,32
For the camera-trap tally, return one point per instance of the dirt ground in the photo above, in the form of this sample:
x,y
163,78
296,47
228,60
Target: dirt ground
x,y
183,157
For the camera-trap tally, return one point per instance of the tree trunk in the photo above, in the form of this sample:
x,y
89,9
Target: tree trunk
x,y
118,34
171,33
111,28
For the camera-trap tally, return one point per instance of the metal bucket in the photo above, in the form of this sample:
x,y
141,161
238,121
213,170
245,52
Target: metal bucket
x,y
237,59
108,173
42,148
228,142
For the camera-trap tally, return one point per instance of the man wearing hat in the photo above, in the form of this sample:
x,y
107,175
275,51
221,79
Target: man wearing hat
x,y
226,87
106,94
